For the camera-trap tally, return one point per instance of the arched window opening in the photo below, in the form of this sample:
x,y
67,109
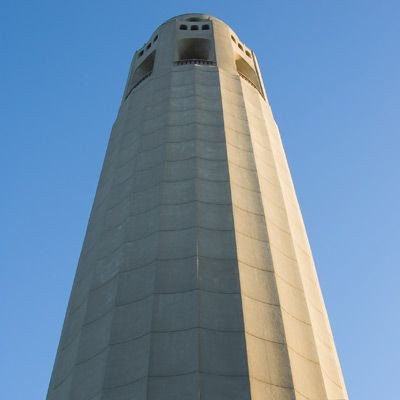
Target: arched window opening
x,y
233,38
205,27
193,49
247,72
155,38
240,46
183,27
141,72
193,19
194,28
248,54
141,53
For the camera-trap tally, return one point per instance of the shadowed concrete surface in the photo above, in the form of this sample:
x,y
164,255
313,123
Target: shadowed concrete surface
x,y
196,280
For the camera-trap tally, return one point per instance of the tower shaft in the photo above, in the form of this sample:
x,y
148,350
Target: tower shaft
x,y
196,279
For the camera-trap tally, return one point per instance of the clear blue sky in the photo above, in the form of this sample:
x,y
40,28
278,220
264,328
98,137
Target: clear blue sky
x,y
331,70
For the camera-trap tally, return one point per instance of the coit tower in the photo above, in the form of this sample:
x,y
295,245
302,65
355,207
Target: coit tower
x,y
196,279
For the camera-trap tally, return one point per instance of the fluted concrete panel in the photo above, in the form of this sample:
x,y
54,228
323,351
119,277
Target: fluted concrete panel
x,y
196,279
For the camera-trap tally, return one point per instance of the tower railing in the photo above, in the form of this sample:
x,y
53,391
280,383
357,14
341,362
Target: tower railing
x,y
195,61
251,83
137,84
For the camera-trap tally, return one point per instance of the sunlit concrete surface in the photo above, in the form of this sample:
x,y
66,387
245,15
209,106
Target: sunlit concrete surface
x,y
196,279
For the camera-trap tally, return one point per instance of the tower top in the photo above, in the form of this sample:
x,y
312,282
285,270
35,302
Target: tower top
x,y
194,17
198,39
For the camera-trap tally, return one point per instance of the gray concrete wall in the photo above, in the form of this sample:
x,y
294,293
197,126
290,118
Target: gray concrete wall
x,y
195,279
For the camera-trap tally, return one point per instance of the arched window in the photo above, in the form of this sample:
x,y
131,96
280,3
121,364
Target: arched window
x,y
205,27
233,38
193,49
142,71
183,27
240,46
155,38
248,54
247,72
148,46
194,28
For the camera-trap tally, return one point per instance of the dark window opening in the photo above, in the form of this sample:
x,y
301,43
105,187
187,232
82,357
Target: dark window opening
x,y
143,71
183,27
233,38
155,38
247,72
140,53
248,54
193,19
194,28
148,46
240,46
205,27
193,49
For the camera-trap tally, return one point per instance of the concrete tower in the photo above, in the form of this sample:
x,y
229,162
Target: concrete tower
x,y
196,279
